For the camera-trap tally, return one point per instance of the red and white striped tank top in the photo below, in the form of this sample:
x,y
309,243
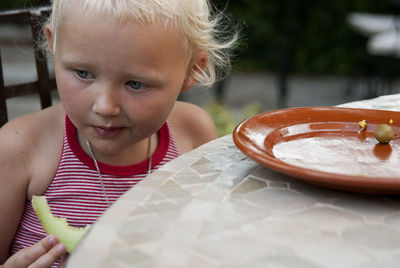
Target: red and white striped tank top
x,y
76,193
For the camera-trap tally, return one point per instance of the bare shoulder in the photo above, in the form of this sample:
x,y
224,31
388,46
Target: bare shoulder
x,y
30,130
26,140
191,126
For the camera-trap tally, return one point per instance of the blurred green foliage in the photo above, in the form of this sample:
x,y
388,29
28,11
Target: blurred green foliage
x,y
223,119
302,36
226,120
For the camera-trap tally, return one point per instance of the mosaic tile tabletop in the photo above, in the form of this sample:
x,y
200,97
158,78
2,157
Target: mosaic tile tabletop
x,y
214,207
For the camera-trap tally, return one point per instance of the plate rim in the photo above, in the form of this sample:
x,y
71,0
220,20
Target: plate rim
x,y
313,176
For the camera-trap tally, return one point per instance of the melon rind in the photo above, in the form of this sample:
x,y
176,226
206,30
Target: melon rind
x,y
66,234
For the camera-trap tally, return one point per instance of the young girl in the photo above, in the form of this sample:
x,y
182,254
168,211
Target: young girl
x,y
120,65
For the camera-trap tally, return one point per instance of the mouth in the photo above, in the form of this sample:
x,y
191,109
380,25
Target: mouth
x,y
108,131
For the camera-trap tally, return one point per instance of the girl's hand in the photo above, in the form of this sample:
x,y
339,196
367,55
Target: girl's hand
x,y
42,254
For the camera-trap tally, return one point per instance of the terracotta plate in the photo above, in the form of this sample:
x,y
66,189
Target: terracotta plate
x,y
324,146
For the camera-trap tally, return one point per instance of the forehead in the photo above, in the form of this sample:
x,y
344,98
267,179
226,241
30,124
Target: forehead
x,y
110,29
107,42
107,30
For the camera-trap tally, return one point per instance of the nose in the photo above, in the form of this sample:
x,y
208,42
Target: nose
x,y
106,103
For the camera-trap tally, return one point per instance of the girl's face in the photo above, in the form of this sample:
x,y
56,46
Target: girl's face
x,y
118,81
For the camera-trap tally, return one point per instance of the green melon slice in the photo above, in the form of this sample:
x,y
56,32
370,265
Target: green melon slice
x,y
66,234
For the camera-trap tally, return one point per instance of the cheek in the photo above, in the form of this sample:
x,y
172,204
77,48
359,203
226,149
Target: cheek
x,y
70,93
166,99
153,111
150,111
65,90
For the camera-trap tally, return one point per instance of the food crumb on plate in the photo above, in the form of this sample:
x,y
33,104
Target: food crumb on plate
x,y
362,124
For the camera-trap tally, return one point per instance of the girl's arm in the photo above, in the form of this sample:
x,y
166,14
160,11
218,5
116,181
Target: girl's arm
x,y
14,179
18,146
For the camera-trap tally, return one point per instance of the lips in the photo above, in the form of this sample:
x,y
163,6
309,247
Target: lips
x,y
108,131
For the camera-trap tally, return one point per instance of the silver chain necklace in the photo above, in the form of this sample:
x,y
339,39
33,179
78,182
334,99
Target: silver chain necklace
x,y
98,169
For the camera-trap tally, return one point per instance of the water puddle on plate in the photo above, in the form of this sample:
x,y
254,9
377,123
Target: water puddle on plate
x,y
347,155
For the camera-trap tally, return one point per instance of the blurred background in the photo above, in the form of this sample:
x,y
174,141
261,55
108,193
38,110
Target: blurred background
x,y
292,53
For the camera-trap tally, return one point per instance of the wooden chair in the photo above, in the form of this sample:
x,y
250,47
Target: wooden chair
x,y
44,84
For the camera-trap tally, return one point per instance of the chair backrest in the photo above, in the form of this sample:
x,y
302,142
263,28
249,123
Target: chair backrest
x,y
44,84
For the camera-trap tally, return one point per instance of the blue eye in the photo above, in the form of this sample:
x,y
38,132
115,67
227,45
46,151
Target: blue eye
x,y
135,85
83,74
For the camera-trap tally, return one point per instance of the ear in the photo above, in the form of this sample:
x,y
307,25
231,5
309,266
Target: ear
x,y
50,38
197,65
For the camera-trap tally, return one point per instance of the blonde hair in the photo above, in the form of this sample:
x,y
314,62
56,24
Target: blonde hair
x,y
201,29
